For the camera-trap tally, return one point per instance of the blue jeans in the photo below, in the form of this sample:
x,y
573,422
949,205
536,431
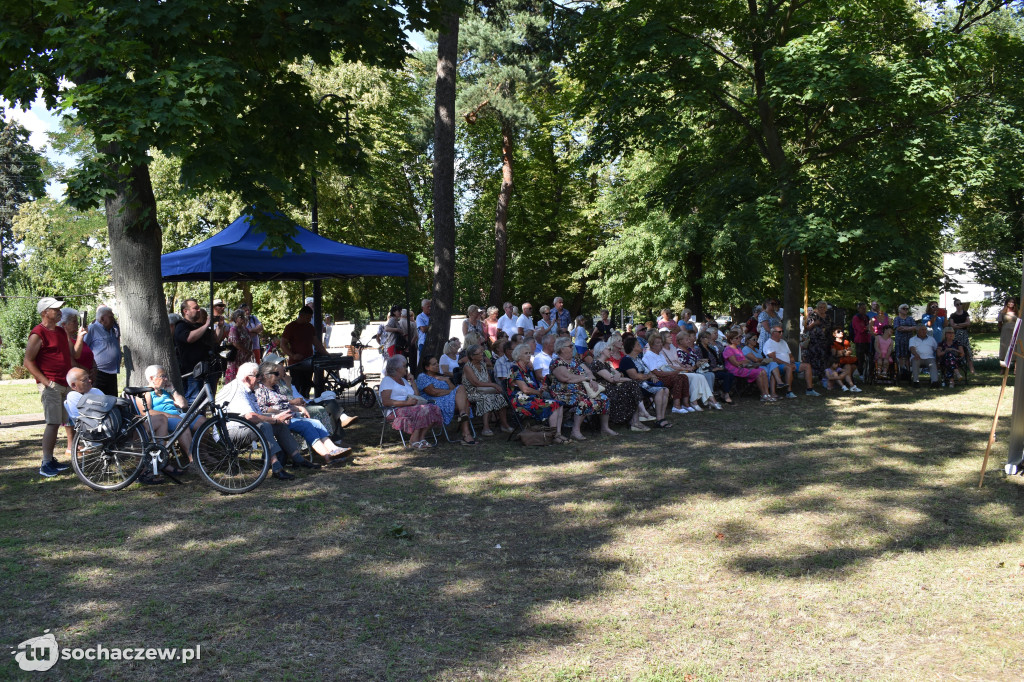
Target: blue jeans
x,y
193,387
310,429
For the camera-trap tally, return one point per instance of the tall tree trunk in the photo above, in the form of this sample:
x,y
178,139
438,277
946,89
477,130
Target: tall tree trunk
x,y
792,295
443,189
501,217
695,272
135,247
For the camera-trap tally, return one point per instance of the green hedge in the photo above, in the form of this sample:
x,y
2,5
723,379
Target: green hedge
x,y
17,317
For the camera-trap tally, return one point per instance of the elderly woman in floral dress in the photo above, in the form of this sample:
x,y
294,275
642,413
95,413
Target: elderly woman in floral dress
x,y
819,338
904,326
624,395
487,396
526,395
239,337
568,376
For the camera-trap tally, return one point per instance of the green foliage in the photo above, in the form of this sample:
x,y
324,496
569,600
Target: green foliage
x,y
816,129
549,230
209,84
65,250
21,179
17,317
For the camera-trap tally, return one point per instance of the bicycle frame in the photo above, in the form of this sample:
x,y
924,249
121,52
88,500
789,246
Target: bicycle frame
x,y
195,409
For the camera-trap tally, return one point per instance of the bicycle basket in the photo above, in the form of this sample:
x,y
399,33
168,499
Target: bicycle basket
x,y
100,417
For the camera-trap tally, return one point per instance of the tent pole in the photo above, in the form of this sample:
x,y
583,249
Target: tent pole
x,y
413,332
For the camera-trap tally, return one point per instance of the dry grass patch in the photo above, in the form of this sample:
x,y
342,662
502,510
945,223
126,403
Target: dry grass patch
x,y
836,538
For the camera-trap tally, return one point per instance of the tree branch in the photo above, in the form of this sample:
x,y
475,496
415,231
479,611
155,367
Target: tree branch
x,y
714,48
965,21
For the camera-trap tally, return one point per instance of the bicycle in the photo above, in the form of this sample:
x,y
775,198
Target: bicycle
x,y
330,364
230,453
364,396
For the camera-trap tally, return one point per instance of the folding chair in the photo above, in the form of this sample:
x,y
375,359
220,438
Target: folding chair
x,y
388,416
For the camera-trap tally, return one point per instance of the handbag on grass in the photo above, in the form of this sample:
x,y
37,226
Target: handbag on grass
x,y
537,435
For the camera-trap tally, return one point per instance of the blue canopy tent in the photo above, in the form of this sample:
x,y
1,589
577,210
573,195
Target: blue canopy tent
x,y
237,254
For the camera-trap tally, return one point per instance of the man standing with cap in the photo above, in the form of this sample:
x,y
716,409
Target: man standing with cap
x,y
104,338
48,360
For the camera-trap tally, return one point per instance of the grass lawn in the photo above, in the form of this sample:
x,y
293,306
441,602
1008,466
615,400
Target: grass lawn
x,y
838,538
986,345
19,397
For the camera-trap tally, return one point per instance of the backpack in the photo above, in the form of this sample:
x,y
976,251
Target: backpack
x,y
100,417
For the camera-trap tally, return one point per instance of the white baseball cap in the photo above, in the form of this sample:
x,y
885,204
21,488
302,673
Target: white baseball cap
x,y
47,304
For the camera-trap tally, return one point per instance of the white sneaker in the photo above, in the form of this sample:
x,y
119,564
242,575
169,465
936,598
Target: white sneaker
x,y
791,395
845,388
679,410
696,408
717,406
855,390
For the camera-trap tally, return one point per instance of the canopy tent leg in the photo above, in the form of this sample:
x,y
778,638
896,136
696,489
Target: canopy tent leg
x,y
318,325
413,331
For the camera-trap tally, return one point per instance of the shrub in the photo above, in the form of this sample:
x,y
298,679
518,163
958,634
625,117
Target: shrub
x,y
17,317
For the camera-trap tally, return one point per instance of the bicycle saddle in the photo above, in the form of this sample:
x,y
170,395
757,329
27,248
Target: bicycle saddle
x,y
137,390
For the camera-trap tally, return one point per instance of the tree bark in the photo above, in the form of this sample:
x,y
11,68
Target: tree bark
x,y
695,273
443,189
497,296
792,295
135,247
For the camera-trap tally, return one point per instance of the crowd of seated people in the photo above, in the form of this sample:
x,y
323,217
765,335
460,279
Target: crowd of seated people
x,y
547,369
512,370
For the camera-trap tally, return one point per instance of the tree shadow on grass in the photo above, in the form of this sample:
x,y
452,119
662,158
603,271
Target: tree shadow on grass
x,y
442,562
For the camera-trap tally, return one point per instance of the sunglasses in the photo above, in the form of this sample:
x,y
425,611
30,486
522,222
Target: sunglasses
x,y
273,374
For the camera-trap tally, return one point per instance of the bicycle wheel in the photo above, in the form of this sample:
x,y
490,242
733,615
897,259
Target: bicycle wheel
x,y
113,465
232,455
366,397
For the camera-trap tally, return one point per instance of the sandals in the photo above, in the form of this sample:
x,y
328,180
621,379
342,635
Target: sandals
x,y
639,428
487,432
561,440
580,437
663,424
467,442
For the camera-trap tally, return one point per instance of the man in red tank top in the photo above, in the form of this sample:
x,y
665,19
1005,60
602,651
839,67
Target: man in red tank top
x,y
48,360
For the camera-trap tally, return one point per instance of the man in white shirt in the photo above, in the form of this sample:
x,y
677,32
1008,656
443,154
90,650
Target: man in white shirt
x,y
777,350
422,324
525,322
507,322
80,384
922,352
241,401
542,360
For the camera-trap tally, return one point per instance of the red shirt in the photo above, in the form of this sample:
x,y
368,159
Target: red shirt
x,y
860,328
54,356
86,360
299,336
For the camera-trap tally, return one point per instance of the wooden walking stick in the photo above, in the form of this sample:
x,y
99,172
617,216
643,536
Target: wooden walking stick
x,y
999,400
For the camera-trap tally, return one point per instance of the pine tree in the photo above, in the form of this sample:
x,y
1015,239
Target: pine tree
x,y
21,180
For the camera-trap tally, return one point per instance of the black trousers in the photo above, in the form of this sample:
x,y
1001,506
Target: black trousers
x,y
302,379
106,383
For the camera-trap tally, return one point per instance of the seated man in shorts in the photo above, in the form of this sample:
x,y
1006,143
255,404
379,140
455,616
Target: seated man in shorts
x,y
777,350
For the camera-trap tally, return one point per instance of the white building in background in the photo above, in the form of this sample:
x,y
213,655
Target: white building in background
x,y
957,268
